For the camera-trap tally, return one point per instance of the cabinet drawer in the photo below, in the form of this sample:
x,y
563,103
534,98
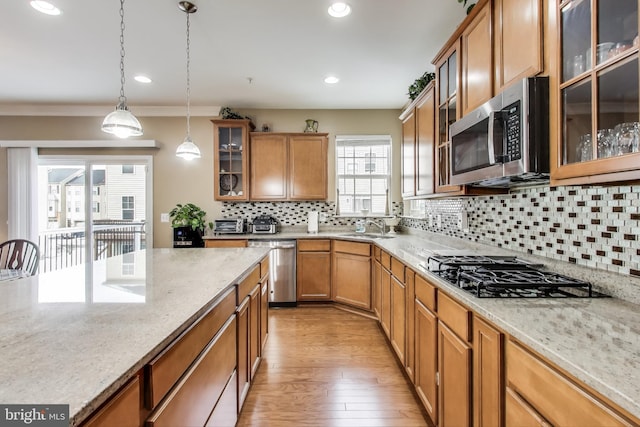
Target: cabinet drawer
x,y
192,400
426,293
314,245
354,248
225,243
164,370
456,317
376,253
385,260
397,269
123,409
225,413
555,397
248,283
264,267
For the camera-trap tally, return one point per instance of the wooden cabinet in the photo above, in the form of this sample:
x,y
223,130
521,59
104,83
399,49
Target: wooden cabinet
x,y
255,343
418,145
398,313
454,363
225,243
264,313
351,273
123,409
385,293
288,166
488,375
231,159
597,90
426,357
477,59
538,393
515,21
377,283
410,296
244,366
313,270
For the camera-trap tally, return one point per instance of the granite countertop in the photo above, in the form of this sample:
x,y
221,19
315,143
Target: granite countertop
x,y
596,340
65,339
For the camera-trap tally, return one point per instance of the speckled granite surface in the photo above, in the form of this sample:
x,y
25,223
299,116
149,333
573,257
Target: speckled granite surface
x,y
64,339
596,340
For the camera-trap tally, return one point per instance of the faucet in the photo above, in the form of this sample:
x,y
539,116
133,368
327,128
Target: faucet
x,y
381,226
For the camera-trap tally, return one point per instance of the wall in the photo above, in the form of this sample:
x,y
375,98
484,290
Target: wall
x,y
597,227
178,181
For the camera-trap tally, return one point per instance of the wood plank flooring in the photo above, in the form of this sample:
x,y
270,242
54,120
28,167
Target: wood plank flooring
x,y
325,367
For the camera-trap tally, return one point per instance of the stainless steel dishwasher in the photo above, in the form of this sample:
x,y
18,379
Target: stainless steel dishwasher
x,y
282,271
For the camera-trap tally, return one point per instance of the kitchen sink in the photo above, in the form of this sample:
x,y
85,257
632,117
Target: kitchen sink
x,y
369,235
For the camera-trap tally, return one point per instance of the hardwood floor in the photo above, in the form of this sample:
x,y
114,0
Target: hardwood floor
x,y
326,367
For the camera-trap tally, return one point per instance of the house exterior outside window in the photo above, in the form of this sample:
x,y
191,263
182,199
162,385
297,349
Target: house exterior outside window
x,y
128,207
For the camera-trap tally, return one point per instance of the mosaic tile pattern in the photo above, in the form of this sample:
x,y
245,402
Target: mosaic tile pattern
x,y
598,227
293,213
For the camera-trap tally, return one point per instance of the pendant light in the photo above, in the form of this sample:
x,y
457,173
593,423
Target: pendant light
x,y
121,122
188,150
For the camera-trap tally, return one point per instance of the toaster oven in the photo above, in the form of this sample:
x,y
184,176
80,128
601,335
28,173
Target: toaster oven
x,y
230,226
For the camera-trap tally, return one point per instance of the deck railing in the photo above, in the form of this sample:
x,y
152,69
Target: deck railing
x,y
66,247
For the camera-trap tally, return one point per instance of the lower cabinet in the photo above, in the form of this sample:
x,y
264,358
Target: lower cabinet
x,y
454,376
193,398
488,375
385,293
123,409
376,292
313,270
255,343
225,243
538,394
244,367
398,312
426,364
351,273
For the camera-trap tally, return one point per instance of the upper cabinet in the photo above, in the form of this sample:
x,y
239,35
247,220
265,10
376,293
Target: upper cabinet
x,y
231,159
418,145
598,93
288,166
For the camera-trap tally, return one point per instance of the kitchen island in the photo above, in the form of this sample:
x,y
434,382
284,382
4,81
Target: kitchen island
x,y
75,336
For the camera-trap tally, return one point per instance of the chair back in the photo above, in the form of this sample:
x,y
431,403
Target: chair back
x,y
19,254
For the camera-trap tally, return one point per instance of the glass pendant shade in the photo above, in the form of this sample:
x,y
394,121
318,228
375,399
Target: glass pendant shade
x,y
188,150
122,123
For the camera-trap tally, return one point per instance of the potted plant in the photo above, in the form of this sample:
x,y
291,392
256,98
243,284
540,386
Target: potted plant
x,y
420,84
188,224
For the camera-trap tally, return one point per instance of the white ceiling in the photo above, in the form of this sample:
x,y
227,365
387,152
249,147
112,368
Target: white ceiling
x,y
286,46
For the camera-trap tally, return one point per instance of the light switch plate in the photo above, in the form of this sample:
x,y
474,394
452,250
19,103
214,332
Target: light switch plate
x,y
164,217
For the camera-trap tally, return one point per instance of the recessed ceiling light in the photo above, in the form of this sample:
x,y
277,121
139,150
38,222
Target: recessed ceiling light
x,y
45,7
339,10
331,80
142,79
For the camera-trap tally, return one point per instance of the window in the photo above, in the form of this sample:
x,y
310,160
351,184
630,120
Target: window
x,y
363,173
127,207
96,207
127,168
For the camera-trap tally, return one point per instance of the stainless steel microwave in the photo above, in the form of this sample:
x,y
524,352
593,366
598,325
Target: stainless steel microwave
x,y
505,141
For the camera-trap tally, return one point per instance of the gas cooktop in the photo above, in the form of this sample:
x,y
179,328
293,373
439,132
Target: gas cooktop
x,y
506,277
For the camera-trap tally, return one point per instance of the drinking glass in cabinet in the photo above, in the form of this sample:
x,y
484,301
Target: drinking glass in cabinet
x,y
605,143
576,38
585,148
626,138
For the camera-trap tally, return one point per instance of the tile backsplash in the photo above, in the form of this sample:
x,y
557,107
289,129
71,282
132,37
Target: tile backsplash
x,y
293,213
598,227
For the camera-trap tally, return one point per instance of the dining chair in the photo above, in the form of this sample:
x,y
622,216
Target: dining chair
x,y
19,254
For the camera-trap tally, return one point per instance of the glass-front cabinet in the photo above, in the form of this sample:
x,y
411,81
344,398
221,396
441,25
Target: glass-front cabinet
x,y
599,131
447,72
231,159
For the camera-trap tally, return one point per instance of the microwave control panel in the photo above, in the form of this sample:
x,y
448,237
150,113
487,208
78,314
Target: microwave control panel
x,y
512,128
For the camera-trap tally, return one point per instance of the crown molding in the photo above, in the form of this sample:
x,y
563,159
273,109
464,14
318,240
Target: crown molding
x,y
43,110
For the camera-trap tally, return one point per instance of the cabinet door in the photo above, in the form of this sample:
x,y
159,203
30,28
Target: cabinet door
x,y
254,329
426,333
477,62
230,163
226,243
425,144
244,368
454,368
308,167
377,289
409,156
517,21
264,315
410,296
123,409
313,276
488,376
269,169
398,322
352,280
385,317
